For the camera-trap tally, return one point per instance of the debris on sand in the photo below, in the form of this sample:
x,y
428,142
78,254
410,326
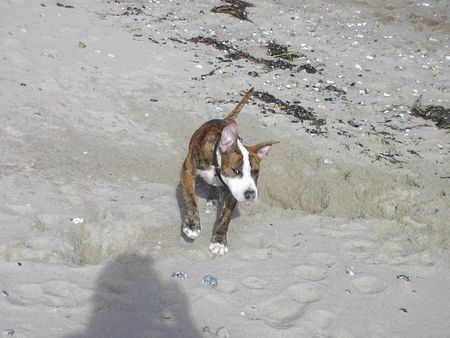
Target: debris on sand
x,y
404,277
134,11
389,157
269,98
235,54
437,114
180,275
210,282
279,51
235,8
335,89
296,110
354,122
64,5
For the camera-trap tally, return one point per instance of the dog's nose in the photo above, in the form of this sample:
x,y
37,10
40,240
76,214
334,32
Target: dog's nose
x,y
250,195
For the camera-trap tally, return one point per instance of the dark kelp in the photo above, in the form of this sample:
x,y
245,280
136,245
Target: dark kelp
x,y
437,114
236,54
279,51
235,8
294,109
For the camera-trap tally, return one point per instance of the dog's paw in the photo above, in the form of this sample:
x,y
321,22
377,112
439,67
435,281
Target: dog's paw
x,y
190,233
218,249
191,229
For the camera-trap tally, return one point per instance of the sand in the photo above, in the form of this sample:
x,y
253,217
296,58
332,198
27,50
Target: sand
x,y
98,101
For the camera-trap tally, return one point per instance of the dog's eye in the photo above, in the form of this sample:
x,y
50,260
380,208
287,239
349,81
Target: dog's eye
x,y
237,171
255,171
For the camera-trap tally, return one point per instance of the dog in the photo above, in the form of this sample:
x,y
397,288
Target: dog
x,y
217,155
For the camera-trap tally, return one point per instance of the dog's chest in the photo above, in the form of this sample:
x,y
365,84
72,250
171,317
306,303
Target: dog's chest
x,y
209,176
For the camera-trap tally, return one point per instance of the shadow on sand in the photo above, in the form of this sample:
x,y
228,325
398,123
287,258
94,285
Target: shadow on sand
x,y
131,301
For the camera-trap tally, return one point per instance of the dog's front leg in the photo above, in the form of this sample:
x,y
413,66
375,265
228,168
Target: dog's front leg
x,y
219,237
191,224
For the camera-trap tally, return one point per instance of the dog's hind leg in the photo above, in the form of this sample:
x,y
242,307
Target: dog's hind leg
x,y
213,198
191,223
219,237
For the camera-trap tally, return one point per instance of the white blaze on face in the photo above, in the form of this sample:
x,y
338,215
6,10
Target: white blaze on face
x,y
239,185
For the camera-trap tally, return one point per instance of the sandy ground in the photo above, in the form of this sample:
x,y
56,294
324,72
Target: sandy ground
x,y
98,100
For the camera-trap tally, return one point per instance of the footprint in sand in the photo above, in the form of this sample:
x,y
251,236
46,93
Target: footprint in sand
x,y
309,272
318,321
322,258
254,283
276,311
50,293
304,292
369,284
359,245
282,309
227,286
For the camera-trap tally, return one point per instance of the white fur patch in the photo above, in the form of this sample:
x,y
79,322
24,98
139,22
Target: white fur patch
x,y
192,234
239,185
209,176
218,249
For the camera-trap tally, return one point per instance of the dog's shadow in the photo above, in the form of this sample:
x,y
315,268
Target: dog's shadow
x,y
208,193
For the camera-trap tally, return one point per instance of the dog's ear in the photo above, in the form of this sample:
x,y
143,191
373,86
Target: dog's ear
x,y
229,137
262,149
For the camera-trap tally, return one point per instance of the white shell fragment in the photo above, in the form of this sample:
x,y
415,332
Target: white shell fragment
x,y
77,220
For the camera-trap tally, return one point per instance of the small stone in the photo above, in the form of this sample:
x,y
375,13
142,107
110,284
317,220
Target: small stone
x,y
354,122
180,274
404,277
210,282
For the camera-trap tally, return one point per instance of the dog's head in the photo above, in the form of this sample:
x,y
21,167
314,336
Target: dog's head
x,y
239,164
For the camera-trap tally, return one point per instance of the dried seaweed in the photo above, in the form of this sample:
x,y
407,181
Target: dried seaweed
x,y
239,3
299,112
235,54
333,88
235,8
279,51
211,42
438,114
294,110
63,5
310,69
388,157
134,11
269,98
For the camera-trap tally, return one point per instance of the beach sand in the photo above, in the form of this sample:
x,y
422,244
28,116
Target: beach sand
x,y
351,234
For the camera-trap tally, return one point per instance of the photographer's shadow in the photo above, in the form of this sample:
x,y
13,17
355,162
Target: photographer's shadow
x,y
131,301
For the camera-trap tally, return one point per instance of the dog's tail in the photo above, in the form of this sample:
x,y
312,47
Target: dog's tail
x,y
232,116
